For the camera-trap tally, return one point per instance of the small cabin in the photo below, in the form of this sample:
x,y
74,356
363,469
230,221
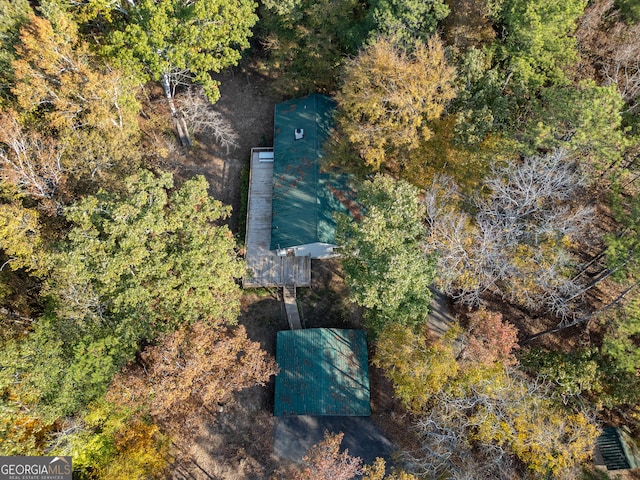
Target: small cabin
x,y
323,371
306,197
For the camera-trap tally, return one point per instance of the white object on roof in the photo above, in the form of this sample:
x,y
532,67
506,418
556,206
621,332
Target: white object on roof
x,y
299,133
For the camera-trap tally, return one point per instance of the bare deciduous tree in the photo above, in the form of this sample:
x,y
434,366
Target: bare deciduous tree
x,y
612,48
517,244
479,431
29,160
324,461
445,446
201,117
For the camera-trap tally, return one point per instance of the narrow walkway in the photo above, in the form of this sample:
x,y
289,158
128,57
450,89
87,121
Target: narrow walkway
x,y
258,233
291,307
441,317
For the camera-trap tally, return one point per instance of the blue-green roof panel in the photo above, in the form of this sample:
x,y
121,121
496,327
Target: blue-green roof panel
x,y
303,203
323,371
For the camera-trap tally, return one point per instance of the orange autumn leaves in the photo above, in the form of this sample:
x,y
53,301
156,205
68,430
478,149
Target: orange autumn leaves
x,y
192,369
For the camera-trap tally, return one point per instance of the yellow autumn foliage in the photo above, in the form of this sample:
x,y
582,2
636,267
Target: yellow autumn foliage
x,y
118,443
377,470
20,238
388,97
418,368
442,155
519,416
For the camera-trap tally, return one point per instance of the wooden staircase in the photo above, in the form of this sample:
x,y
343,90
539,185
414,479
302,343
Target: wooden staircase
x,y
291,306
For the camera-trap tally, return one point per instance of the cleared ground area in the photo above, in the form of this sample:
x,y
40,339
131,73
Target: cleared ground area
x,y
294,435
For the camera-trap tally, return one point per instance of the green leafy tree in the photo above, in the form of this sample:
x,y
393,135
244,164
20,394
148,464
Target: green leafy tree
x,y
620,341
605,377
33,383
180,42
481,107
622,254
630,9
619,358
538,47
386,270
586,118
13,14
404,22
306,41
152,257
134,265
176,41
388,97
572,374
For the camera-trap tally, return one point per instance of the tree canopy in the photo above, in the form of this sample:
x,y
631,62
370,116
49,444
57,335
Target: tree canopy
x,y
134,265
517,243
386,270
13,14
176,41
77,119
539,47
388,97
404,22
509,137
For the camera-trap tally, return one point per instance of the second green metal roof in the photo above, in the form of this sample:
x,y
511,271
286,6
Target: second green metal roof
x,y
323,371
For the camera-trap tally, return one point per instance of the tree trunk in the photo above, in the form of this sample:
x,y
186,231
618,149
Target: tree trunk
x,y
586,267
181,125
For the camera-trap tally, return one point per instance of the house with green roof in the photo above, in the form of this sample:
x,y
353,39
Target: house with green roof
x,y
305,198
292,200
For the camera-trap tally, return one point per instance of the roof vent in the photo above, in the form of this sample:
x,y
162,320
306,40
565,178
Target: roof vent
x,y
299,132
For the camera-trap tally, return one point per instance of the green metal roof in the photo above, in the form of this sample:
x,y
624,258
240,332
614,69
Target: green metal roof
x,y
304,200
323,371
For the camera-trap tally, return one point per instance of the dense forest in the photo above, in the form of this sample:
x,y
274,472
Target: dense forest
x,y
497,147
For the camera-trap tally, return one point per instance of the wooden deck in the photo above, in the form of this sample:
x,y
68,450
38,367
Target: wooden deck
x,y
266,269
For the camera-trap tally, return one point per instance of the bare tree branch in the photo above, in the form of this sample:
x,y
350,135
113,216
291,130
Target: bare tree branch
x,y
203,119
516,245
